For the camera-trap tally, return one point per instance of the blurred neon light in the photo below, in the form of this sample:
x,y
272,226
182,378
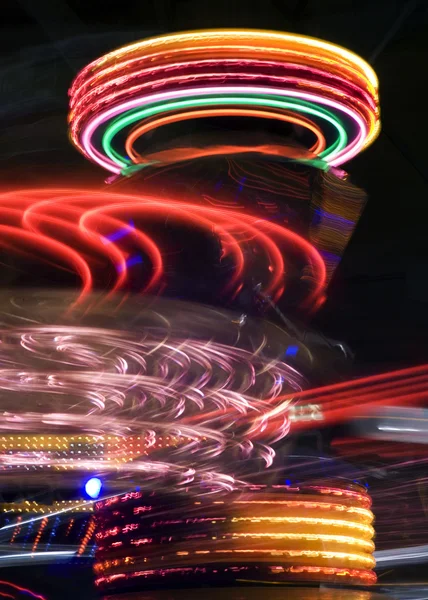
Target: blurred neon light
x,y
256,66
35,555
197,114
409,555
136,116
121,233
22,589
77,227
221,383
253,92
236,37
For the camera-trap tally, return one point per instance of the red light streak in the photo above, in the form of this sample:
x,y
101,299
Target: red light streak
x,y
21,589
141,509
344,400
72,227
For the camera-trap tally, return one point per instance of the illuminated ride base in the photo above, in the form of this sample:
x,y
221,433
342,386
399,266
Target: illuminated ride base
x,y
326,91
267,535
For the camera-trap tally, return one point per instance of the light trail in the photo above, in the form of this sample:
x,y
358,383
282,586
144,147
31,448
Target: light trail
x,y
327,85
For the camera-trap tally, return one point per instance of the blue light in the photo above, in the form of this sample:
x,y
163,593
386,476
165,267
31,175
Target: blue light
x,y
133,260
287,482
93,487
120,233
241,184
292,351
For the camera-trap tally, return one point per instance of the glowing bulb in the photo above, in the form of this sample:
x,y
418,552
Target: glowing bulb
x,y
93,487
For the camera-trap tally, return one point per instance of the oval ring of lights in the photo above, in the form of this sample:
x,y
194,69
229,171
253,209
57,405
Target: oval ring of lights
x,y
224,71
78,228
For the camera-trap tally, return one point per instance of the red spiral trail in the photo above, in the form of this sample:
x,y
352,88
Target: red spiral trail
x,y
78,229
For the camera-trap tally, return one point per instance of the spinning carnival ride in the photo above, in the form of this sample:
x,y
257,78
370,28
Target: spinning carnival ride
x,y
183,396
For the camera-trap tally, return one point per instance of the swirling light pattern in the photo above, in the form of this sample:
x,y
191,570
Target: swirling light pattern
x,y
266,534
184,382
325,90
141,402
104,238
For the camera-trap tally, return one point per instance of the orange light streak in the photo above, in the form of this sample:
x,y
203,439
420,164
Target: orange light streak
x,y
318,147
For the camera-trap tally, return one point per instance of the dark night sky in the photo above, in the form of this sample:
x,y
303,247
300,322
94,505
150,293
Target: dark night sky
x,y
377,300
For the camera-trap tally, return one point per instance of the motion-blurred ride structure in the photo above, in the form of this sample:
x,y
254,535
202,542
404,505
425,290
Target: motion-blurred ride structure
x,y
223,151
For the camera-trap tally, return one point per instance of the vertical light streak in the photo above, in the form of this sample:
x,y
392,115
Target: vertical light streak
x,y
43,524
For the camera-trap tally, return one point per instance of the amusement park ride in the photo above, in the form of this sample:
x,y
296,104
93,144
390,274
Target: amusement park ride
x,y
155,433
